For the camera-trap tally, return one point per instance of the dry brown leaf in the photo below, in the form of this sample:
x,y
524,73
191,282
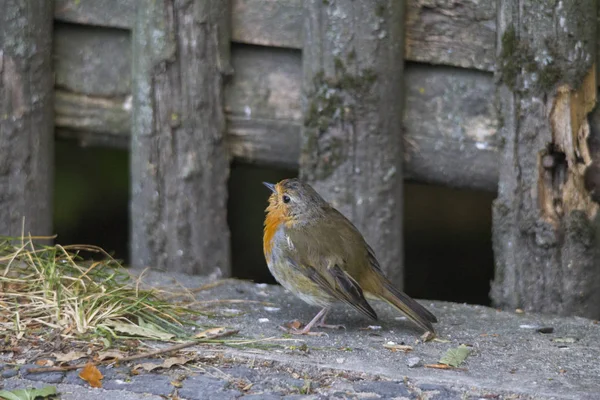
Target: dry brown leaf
x,y
110,354
168,363
295,324
210,332
70,356
44,363
91,375
149,366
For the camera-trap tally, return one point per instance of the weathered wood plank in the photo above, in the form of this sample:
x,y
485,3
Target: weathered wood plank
x,y
451,127
449,117
266,84
179,155
452,32
461,33
93,120
91,60
545,224
352,129
267,22
26,118
109,13
264,141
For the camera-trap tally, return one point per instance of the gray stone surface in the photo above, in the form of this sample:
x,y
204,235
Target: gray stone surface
x,y
47,377
150,383
508,356
510,359
78,392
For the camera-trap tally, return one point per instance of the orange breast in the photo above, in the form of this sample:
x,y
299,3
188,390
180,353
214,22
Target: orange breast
x,y
274,218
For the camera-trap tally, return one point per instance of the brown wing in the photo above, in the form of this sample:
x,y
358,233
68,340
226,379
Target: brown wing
x,y
338,284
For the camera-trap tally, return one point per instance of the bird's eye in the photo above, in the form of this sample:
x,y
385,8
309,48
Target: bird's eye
x,y
285,198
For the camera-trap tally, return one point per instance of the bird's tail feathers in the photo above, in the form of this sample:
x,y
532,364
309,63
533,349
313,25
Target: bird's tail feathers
x,y
413,310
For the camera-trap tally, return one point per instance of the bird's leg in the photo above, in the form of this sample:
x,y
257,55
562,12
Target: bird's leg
x,y
319,317
317,321
321,323
307,328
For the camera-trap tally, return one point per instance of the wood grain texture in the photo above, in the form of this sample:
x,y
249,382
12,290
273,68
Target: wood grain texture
x,y
449,112
179,157
545,225
460,33
26,118
352,129
267,23
93,61
109,13
451,127
93,120
451,32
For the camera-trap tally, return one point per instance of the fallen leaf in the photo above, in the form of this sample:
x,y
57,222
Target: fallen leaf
x,y
44,363
295,324
168,363
397,347
210,332
110,354
28,394
456,356
149,366
70,356
91,375
149,331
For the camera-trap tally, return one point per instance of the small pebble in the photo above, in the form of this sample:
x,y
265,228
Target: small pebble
x,y
272,309
340,360
263,320
413,362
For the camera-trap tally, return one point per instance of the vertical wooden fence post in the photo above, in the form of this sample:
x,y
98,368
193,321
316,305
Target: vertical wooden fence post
x,y
26,117
352,137
179,158
545,232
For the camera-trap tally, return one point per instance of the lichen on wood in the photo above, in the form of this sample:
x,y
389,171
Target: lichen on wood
x,y
352,124
546,226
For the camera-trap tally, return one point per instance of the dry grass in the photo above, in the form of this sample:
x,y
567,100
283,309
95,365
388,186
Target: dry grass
x,y
53,289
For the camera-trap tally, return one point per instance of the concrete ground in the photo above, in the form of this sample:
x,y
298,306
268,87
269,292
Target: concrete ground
x,y
511,357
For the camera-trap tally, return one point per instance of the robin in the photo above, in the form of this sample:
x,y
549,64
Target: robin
x,y
318,254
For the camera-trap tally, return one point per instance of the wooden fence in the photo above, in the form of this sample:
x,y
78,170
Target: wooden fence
x,y
357,94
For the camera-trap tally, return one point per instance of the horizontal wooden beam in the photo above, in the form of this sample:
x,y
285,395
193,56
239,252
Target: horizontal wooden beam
x,y
449,121
452,32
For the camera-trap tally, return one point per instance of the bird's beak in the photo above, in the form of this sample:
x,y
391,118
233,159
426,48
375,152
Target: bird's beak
x,y
270,186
